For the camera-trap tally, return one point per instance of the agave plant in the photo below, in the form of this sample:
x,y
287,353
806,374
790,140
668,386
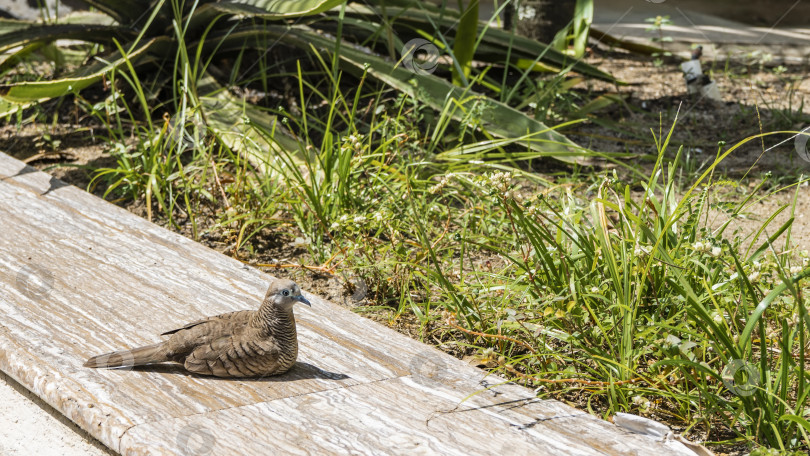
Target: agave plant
x,y
176,45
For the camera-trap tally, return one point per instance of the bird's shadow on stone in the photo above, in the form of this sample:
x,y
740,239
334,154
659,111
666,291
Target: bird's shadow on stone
x,y
53,183
300,371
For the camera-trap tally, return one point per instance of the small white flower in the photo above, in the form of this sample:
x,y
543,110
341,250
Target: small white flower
x,y
300,242
716,251
795,269
642,403
359,220
500,180
698,246
439,187
334,226
526,12
753,276
594,290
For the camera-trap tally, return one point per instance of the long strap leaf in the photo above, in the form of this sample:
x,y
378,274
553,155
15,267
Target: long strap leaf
x,y
47,33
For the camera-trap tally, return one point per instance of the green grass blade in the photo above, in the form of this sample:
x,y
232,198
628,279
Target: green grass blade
x,y
464,44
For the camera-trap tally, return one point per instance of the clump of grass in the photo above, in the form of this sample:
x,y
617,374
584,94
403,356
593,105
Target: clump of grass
x,y
636,302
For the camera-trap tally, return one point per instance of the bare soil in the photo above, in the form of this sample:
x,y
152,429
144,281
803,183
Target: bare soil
x,y
757,98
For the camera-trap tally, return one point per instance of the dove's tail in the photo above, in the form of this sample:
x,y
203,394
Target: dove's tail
x,y
128,358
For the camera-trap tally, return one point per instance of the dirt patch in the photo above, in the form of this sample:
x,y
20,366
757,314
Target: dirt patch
x,y
755,98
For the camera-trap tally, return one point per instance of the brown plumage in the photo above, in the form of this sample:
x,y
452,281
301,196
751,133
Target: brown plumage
x,y
247,343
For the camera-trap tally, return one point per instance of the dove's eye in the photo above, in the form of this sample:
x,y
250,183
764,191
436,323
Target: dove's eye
x,y
285,293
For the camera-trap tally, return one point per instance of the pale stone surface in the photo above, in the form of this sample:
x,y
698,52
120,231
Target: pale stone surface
x,y
79,277
28,426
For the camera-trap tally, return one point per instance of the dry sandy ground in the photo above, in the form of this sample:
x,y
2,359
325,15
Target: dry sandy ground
x,y
24,419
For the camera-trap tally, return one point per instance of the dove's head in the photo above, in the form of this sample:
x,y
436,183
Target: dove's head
x,y
284,294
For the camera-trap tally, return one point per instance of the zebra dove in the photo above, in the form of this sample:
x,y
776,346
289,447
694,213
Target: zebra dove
x,y
247,343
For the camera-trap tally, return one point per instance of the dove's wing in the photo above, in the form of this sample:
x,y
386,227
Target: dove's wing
x,y
183,341
239,315
242,355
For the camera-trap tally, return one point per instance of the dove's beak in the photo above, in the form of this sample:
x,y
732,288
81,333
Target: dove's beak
x,y
302,300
